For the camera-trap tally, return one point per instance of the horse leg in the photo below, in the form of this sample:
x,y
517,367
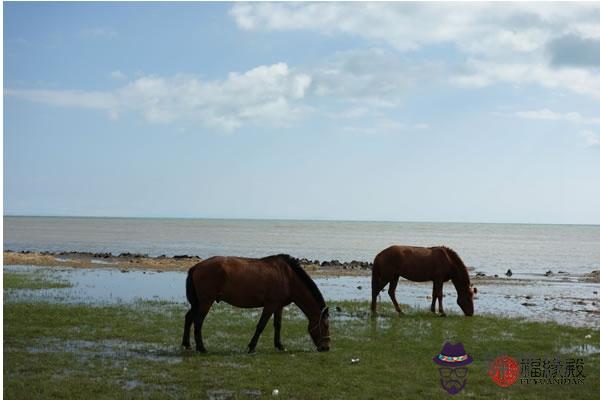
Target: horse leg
x,y
199,316
374,294
433,297
376,286
392,293
262,322
189,318
440,295
277,325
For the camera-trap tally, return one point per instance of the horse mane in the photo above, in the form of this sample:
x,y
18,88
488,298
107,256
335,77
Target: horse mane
x,y
462,274
307,280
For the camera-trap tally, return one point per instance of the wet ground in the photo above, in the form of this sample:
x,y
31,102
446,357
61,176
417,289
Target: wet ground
x,y
557,298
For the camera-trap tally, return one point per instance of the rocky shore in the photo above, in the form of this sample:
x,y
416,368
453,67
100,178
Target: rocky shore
x,y
126,261
182,262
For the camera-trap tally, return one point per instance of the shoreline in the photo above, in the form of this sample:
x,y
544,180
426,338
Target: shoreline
x,y
136,261
181,263
570,300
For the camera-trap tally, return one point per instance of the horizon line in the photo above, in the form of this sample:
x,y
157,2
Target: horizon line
x,y
297,219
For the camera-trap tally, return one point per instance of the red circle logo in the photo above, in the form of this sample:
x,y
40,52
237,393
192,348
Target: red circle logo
x,y
504,371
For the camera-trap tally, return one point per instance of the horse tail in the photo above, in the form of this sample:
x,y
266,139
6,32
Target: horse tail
x,y
375,285
190,290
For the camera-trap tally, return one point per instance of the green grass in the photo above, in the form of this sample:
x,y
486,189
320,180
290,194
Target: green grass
x,y
78,351
37,280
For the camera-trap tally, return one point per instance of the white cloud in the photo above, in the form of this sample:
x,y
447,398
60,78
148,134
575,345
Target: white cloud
x,y
592,139
372,77
408,26
478,73
266,94
545,114
117,75
512,43
67,98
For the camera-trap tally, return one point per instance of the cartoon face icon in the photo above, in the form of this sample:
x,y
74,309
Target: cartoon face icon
x,y
452,362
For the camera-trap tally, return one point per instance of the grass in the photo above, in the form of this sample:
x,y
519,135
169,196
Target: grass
x,y
132,351
37,280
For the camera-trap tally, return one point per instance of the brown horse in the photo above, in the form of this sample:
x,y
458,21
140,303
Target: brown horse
x,y
271,283
421,264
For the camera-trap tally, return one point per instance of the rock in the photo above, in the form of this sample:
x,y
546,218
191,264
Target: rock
x,y
528,297
528,304
593,276
509,272
124,271
182,257
359,287
338,309
549,273
479,275
495,275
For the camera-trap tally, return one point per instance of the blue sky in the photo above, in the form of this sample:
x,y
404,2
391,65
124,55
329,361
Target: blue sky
x,y
420,112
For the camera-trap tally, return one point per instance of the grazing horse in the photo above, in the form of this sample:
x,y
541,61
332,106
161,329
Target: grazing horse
x,y
271,283
421,264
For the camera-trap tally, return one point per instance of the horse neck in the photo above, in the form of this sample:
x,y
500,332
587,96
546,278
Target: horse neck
x,y
460,279
305,300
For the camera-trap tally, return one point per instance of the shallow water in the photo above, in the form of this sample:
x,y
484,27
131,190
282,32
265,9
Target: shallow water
x,y
568,302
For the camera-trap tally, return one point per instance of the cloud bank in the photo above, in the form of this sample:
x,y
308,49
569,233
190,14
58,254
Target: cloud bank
x,y
267,93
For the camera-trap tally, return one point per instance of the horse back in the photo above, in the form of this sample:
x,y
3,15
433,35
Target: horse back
x,y
417,264
241,282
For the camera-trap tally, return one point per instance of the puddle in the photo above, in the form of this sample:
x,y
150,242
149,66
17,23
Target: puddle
x,y
114,349
129,385
568,302
96,261
220,394
580,350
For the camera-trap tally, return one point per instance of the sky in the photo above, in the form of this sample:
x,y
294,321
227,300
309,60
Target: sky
x,y
481,112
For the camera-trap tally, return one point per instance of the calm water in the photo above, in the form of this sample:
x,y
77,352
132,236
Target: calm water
x,y
491,248
567,302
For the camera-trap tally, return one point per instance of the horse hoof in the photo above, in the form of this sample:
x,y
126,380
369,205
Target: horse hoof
x,y
201,351
442,314
280,348
251,350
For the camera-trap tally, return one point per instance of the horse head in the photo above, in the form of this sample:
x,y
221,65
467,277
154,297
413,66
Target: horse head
x,y
319,330
465,300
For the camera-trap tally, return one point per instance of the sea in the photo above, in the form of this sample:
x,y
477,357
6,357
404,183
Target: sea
x,y
526,249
